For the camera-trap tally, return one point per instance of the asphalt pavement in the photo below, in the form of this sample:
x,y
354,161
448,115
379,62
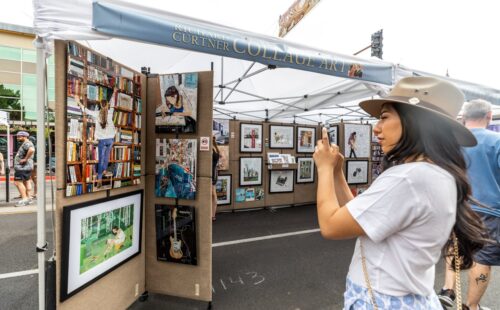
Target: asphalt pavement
x,y
298,271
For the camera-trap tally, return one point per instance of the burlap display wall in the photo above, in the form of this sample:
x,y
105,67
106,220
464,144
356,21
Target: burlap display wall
x,y
303,192
175,279
117,289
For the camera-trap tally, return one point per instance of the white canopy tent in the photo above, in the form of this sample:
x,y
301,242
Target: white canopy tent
x,y
244,89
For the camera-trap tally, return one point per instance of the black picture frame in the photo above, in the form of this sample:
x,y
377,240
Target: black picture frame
x,y
274,172
299,159
333,134
229,190
101,206
357,171
242,144
271,140
242,182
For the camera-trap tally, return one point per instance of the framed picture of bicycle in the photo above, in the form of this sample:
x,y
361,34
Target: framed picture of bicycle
x,y
281,181
98,237
176,234
281,137
250,171
306,138
357,171
357,139
250,138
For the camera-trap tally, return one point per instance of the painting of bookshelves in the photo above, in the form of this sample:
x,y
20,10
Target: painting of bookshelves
x,y
104,108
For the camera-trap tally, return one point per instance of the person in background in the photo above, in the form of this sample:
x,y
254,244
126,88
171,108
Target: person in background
x,y
404,220
23,167
483,169
2,165
215,174
33,172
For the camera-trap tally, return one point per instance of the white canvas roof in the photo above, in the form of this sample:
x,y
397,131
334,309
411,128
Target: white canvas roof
x,y
249,88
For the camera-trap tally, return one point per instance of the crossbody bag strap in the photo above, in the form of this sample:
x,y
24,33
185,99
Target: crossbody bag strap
x,y
458,284
365,272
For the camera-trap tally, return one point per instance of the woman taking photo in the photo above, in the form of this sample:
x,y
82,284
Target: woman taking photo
x,y
416,208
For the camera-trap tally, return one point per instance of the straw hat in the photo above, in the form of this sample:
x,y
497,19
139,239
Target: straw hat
x,y
429,95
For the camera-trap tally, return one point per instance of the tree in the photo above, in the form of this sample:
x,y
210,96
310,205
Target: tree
x,y
9,101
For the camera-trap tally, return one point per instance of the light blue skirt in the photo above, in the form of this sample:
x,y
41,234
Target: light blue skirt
x,y
357,297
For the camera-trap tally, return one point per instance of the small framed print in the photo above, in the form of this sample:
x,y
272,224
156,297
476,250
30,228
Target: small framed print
x,y
357,172
305,170
357,139
223,190
306,137
250,171
333,134
250,138
281,137
281,181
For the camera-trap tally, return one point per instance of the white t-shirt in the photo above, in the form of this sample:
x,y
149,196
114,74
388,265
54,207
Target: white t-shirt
x,y
407,214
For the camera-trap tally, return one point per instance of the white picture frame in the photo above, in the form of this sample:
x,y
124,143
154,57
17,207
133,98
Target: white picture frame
x,y
223,189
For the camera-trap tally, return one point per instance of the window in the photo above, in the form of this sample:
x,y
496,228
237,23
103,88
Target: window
x,y
10,53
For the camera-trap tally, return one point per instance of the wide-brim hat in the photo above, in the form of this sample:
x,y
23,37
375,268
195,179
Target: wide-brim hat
x,y
427,95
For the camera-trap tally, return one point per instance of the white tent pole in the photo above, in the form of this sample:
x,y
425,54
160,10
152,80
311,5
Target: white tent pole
x,y
40,156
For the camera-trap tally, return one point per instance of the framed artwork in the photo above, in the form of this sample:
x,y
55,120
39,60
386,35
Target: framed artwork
x,y
176,111
281,137
223,189
176,234
360,190
223,163
176,168
357,171
305,170
357,139
100,155
98,237
376,169
306,138
333,134
250,171
220,130
281,181
245,194
250,138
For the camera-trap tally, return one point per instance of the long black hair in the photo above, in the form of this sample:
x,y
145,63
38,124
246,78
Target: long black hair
x,y
423,134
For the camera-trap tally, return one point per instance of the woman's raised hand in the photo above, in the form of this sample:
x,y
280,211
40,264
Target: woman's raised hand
x,y
327,156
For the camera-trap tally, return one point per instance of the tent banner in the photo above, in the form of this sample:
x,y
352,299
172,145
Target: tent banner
x,y
143,24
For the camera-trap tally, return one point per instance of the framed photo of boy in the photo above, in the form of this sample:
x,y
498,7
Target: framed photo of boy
x,y
357,171
97,238
250,138
306,138
281,137
305,170
250,171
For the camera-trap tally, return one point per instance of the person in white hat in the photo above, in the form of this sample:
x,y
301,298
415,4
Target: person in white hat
x,y
416,208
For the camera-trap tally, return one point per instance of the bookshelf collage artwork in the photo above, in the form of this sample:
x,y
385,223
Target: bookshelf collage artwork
x,y
104,107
